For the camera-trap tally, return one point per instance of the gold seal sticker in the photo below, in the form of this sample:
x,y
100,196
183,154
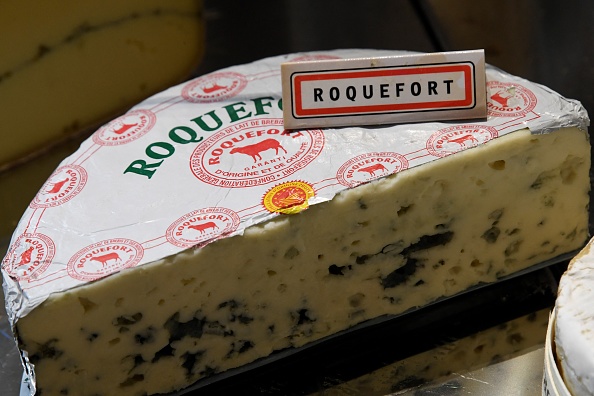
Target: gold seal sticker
x,y
288,198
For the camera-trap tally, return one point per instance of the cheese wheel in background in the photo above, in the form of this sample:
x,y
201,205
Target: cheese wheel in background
x,y
574,324
67,66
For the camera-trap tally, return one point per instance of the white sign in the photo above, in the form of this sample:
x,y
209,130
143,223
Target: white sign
x,y
382,90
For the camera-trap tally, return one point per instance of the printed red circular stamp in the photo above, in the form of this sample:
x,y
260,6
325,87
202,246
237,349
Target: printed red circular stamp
x,y
200,226
214,87
288,198
254,153
64,184
450,140
506,99
30,256
370,166
125,128
103,258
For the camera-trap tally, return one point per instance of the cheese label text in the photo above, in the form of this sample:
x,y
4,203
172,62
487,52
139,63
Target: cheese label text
x,y
408,88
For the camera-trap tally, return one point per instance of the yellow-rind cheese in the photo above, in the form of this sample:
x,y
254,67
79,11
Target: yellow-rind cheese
x,y
67,66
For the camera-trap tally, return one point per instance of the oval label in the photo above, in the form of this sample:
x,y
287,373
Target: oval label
x,y
450,140
370,166
199,226
29,256
254,153
125,128
103,258
64,184
509,99
214,87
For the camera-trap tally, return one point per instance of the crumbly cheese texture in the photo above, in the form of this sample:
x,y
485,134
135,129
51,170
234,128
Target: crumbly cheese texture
x,y
378,249
68,66
574,324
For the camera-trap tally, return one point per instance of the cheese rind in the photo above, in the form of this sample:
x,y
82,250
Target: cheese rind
x,y
378,249
574,339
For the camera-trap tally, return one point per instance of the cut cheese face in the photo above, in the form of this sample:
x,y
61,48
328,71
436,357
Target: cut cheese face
x,y
73,65
246,239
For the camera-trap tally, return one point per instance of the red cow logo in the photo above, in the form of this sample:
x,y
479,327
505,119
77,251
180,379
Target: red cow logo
x,y
371,169
254,150
463,139
106,257
57,186
204,226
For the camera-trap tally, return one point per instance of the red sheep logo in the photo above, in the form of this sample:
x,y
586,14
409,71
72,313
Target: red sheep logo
x,y
204,227
105,258
26,256
122,129
502,97
213,88
254,150
463,139
371,169
56,187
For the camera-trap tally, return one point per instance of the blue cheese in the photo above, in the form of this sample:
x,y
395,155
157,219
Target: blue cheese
x,y
381,248
247,239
